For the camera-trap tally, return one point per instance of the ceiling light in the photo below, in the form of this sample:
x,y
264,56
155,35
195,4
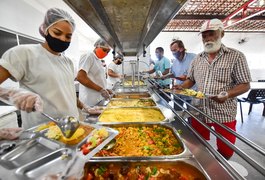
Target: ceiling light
x,y
229,22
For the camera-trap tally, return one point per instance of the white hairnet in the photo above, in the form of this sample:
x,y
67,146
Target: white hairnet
x,y
53,16
102,43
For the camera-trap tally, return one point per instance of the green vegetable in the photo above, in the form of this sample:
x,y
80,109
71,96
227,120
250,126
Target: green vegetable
x,y
93,140
147,177
154,171
179,131
101,170
147,148
159,130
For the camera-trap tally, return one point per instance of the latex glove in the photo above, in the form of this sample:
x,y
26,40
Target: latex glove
x,y
92,110
111,93
10,133
221,97
105,93
22,99
121,76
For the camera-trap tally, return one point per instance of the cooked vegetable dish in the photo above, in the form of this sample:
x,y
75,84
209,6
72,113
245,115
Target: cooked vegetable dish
x,y
186,92
144,141
54,132
142,171
131,95
131,102
131,115
129,83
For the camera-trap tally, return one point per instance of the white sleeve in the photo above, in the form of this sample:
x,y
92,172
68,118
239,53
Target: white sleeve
x,y
85,63
14,60
112,67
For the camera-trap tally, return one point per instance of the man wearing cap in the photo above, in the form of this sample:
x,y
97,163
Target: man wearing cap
x,y
222,72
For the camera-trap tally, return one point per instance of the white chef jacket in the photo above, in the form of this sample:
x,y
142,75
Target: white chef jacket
x,y
116,69
50,76
95,72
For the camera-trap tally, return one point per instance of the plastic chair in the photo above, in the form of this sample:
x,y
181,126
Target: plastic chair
x,y
255,96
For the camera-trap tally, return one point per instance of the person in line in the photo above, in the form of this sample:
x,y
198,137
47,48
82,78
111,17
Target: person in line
x,y
179,69
114,71
44,70
161,68
91,75
224,73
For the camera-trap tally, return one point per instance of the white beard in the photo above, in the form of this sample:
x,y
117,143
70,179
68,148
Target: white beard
x,y
212,46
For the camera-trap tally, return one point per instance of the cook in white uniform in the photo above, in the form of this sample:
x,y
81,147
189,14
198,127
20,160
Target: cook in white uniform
x,y
44,70
91,75
114,71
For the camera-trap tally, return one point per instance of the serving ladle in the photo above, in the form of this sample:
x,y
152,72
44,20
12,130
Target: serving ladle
x,y
67,124
110,145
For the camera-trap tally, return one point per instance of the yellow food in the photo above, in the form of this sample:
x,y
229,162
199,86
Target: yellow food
x,y
186,92
55,133
144,141
129,83
102,133
131,115
44,126
191,92
131,103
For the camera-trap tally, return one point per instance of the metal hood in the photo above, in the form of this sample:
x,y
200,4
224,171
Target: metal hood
x,y
127,25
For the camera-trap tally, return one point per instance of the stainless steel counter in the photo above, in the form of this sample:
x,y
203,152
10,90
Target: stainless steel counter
x,y
208,159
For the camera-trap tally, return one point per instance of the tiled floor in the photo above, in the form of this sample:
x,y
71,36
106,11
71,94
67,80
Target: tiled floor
x,y
253,128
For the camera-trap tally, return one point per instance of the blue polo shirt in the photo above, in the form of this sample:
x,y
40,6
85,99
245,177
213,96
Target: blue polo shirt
x,y
180,68
162,65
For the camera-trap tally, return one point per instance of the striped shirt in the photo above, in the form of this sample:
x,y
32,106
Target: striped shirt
x,y
227,70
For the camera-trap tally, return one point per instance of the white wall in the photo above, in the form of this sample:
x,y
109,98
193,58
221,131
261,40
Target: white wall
x,y
25,17
253,48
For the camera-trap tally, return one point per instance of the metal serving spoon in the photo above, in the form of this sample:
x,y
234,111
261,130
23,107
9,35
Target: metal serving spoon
x,y
68,124
110,145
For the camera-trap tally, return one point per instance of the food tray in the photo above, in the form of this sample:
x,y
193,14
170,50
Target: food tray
x,y
185,168
43,130
38,168
133,133
142,102
28,151
128,83
132,95
38,156
131,114
186,92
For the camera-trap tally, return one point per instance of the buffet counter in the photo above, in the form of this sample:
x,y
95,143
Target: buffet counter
x,y
165,148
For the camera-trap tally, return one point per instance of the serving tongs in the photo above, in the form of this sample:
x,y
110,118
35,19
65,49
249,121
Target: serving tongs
x,y
67,124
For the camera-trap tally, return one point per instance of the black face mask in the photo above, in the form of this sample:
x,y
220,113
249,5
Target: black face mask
x,y
119,62
56,44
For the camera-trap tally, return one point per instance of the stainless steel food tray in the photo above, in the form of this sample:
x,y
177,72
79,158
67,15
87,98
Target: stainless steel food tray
x,y
165,119
128,100
185,153
39,155
188,161
132,95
